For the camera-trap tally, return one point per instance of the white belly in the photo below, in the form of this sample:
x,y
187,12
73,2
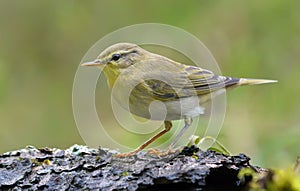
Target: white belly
x,y
173,110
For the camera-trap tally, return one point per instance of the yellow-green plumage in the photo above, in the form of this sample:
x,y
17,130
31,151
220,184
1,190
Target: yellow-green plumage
x,y
146,77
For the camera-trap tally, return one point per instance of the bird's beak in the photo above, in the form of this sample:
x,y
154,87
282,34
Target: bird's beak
x,y
96,62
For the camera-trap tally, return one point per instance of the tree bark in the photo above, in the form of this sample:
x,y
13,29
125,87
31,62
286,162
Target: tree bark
x,y
82,168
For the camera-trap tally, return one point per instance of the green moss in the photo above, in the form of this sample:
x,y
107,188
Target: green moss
x,y
274,180
125,173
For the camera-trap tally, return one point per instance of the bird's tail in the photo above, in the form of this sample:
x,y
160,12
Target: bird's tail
x,y
249,81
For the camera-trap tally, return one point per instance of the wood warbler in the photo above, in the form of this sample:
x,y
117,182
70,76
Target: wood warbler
x,y
147,77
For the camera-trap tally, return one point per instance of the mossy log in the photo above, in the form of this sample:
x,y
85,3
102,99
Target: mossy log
x,y
82,168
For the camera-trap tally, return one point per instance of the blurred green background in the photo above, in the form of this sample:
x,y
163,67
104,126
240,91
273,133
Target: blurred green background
x,y
43,42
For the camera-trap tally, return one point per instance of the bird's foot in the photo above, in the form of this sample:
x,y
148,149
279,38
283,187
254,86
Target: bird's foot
x,y
151,151
124,155
162,153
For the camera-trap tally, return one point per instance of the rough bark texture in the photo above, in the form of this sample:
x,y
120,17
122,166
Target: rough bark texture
x,y
81,168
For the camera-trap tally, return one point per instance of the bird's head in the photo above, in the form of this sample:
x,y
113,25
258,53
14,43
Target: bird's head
x,y
118,56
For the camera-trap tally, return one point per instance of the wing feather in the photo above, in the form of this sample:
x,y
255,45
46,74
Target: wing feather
x,y
185,81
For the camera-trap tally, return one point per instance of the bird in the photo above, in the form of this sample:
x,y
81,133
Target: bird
x,y
140,78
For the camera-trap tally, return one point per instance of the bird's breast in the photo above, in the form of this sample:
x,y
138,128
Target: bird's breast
x,y
145,106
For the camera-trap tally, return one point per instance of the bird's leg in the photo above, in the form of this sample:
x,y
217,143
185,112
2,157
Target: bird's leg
x,y
168,126
188,121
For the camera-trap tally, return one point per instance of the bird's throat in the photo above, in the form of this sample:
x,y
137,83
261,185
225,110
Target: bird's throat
x,y
111,75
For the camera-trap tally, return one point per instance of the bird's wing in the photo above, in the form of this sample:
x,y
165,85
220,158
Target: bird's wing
x,y
185,82
205,81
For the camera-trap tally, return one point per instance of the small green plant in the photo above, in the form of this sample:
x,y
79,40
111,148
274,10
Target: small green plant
x,y
273,180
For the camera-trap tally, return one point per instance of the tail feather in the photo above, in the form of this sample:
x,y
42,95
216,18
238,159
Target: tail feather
x,y
249,81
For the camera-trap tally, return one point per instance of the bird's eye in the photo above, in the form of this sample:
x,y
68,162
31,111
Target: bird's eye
x,y
115,57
